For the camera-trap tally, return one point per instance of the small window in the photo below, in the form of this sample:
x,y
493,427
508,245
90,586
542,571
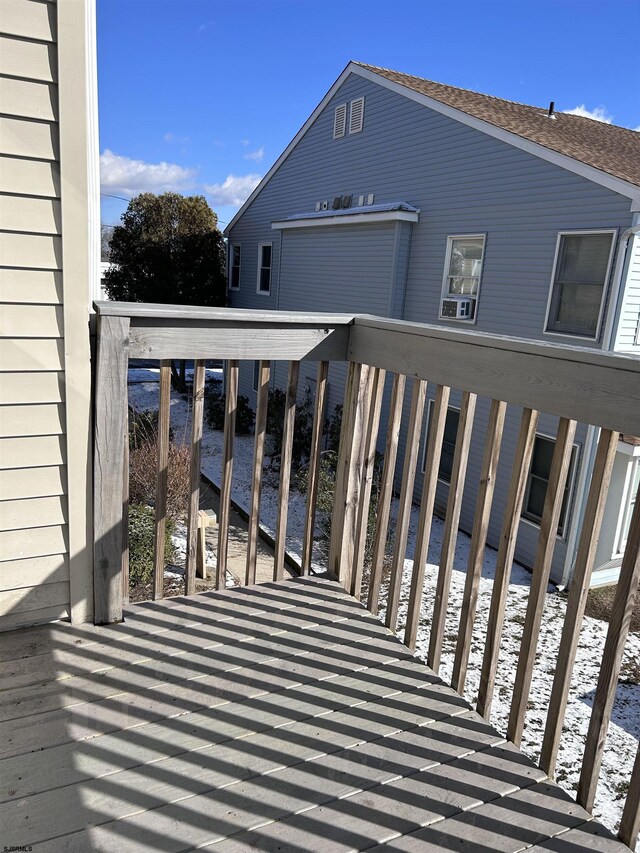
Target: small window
x,y
462,274
340,121
448,442
356,117
264,268
628,505
234,277
579,283
538,480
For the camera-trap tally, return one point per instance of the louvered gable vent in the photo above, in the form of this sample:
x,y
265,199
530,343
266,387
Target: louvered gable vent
x,y
340,121
356,119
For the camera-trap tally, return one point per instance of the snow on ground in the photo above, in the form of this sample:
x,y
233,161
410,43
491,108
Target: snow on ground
x,y
624,731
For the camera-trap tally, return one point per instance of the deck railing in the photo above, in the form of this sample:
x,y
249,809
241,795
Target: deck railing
x,y
577,385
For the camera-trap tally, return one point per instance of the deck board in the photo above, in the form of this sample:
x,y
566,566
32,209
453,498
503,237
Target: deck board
x,y
277,717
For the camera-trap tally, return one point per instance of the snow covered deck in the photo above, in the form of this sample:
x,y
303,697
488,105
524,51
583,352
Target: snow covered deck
x,y
275,717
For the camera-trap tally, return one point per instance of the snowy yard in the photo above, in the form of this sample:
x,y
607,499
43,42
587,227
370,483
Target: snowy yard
x,y
624,731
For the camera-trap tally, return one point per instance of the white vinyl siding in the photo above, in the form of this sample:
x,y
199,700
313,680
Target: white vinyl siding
x,y
35,293
340,121
581,273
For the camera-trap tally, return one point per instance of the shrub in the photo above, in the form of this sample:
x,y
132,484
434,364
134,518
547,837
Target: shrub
x,y
214,412
141,533
143,463
143,428
333,429
303,426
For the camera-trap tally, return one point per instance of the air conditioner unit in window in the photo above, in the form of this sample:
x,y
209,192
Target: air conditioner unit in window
x,y
458,307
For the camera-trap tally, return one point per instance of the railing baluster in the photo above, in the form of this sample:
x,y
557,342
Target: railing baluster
x,y
230,409
349,475
506,549
338,544
540,577
481,517
630,823
285,468
427,500
125,517
386,490
611,662
162,478
197,411
454,506
314,465
256,480
576,603
412,447
372,427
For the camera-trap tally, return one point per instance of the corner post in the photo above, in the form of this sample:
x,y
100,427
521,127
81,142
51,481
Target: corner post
x,y
110,428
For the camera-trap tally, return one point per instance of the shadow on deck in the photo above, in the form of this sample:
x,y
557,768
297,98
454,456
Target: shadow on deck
x,y
279,717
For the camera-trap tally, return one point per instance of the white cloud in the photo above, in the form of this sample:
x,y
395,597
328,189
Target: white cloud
x,y
256,155
234,190
598,113
244,142
129,177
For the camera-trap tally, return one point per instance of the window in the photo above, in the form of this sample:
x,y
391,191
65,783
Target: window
x,y
578,284
448,442
538,480
340,121
628,505
234,276
462,273
264,268
356,117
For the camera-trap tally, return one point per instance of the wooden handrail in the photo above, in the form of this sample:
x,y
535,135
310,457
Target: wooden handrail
x,y
576,384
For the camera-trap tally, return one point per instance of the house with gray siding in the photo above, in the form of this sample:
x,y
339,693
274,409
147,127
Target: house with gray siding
x,y
419,201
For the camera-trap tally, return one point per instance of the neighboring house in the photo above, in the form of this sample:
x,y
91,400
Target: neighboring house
x,y
425,202
49,247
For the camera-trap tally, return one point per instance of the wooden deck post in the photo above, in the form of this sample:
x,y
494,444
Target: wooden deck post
x,y
109,448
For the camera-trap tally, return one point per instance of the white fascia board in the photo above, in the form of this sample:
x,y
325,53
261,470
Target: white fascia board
x,y
571,164
305,127
353,219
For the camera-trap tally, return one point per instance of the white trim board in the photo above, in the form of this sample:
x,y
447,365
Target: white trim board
x,y
617,185
348,219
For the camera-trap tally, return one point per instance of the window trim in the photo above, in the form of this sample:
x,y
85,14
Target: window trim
x,y
605,286
260,247
445,294
571,484
233,246
628,496
423,465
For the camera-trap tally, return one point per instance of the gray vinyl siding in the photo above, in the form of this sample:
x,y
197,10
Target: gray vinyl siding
x,y
34,563
463,182
628,333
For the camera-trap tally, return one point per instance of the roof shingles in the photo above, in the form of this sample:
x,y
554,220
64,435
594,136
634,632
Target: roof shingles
x,y
612,149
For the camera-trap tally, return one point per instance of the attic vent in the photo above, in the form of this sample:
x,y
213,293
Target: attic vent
x,y
356,119
340,121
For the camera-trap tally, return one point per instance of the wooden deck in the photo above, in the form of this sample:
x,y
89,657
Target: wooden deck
x,y
279,717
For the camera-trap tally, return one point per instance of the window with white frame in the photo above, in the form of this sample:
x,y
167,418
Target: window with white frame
x,y
264,268
628,505
234,271
538,480
579,283
448,442
462,274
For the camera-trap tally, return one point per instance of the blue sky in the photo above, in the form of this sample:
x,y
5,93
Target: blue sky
x,y
201,96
